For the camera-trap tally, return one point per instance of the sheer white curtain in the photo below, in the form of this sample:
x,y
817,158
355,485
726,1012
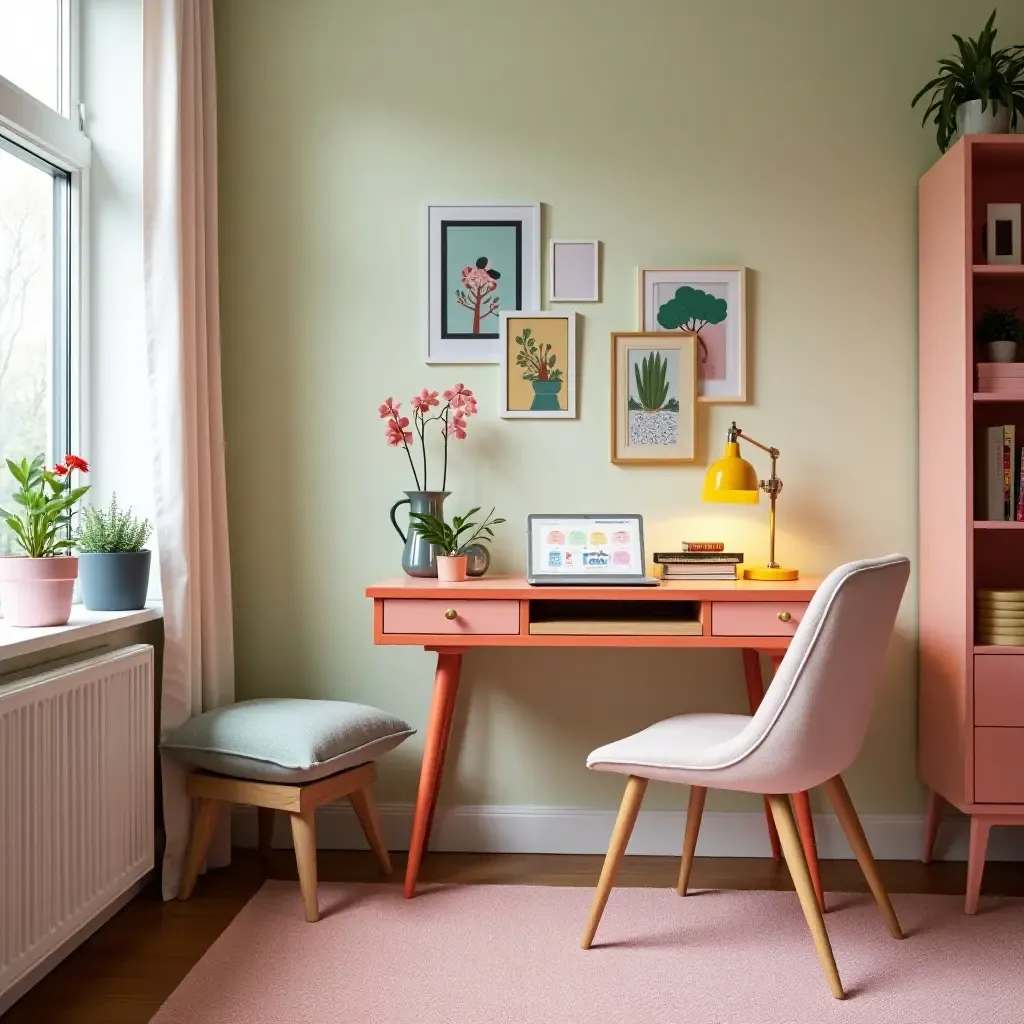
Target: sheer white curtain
x,y
183,345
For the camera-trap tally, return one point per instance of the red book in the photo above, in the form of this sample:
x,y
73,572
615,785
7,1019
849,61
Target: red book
x,y
702,545
1020,490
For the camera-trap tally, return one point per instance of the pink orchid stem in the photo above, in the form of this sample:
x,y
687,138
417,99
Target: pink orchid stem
x,y
405,445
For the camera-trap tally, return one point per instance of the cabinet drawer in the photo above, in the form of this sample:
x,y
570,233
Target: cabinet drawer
x,y
999,689
999,766
756,618
481,617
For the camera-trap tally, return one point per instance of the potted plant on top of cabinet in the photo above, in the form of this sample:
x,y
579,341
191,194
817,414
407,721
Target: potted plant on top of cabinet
x,y
114,560
36,588
982,92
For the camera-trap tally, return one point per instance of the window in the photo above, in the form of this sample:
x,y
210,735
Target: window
x,y
44,160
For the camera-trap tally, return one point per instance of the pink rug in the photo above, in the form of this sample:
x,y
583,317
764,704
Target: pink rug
x,y
491,954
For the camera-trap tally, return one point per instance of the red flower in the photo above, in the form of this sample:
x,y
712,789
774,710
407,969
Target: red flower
x,y
60,469
74,462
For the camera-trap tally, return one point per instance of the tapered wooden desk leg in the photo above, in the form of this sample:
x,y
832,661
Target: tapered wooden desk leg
x,y
440,767
446,684
755,694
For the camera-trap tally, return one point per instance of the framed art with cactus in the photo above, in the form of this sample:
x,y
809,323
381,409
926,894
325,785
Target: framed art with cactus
x,y
711,303
538,368
654,408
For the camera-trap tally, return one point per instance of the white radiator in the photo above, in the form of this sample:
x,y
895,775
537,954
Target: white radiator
x,y
76,801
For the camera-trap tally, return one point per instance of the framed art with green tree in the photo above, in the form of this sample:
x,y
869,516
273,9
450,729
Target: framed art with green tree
x,y
538,367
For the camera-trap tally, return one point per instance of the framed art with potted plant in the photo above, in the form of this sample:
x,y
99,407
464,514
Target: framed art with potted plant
x,y
452,542
998,331
114,561
538,365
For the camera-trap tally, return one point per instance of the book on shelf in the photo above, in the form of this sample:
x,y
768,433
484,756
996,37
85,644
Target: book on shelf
x,y
698,572
1020,476
697,557
702,545
1002,465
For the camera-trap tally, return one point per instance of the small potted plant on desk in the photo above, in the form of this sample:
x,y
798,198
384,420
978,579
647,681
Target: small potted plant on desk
x,y
114,561
449,542
36,588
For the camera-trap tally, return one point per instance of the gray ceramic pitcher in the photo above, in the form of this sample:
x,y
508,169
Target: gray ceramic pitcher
x,y
419,557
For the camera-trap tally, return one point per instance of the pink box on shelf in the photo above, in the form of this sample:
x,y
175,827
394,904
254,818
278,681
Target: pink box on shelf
x,y
1000,371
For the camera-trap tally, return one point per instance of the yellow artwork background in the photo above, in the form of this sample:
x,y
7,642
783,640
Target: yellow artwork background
x,y
553,331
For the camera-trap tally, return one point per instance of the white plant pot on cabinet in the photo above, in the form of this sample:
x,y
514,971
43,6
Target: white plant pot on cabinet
x,y
972,120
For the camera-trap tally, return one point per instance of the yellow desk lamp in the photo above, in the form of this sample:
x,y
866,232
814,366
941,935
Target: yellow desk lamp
x,y
732,479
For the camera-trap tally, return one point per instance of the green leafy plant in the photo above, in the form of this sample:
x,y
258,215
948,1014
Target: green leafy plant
x,y
452,540
999,323
691,309
537,360
651,376
47,497
995,77
111,529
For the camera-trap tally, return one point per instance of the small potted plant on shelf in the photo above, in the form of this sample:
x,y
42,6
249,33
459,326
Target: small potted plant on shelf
x,y
999,330
114,561
448,540
36,588
981,92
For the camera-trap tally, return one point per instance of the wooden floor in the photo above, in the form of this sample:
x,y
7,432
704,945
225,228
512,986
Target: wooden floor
x,y
131,965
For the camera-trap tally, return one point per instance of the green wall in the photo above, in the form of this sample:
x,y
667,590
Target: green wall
x,y
776,135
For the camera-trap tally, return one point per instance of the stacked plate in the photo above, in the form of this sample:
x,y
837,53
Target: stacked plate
x,y
1000,617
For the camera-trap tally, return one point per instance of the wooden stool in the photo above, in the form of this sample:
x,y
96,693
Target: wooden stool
x,y
299,800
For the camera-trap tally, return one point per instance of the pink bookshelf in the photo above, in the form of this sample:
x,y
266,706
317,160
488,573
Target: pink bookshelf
x,y
971,752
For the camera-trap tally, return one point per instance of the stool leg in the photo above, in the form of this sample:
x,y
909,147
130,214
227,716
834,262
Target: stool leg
x,y
304,840
366,812
265,822
204,824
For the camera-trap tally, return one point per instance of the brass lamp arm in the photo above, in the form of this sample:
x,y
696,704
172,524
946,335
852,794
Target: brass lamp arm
x,y
772,486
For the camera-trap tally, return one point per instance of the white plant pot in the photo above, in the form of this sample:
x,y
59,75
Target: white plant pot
x,y
1002,351
972,120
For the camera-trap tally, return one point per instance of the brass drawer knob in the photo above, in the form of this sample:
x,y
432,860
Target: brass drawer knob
x,y
451,615
784,616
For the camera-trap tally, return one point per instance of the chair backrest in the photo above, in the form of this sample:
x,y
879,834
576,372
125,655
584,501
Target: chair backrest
x,y
816,712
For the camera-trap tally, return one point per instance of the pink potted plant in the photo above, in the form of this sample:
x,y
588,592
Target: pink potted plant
x,y
451,543
36,588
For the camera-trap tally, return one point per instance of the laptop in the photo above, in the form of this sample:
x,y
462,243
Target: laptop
x,y
586,550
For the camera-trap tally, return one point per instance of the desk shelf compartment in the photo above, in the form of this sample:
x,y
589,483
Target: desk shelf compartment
x,y
614,618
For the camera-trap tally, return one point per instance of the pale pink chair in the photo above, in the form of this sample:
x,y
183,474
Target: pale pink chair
x,y
809,729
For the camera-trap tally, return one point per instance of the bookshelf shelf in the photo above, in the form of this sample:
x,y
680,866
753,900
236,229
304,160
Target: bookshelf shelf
x,y
999,269
984,524
998,396
988,649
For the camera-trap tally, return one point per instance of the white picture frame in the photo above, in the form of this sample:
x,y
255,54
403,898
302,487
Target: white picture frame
x,y
507,239
573,270
1002,234
550,327
724,348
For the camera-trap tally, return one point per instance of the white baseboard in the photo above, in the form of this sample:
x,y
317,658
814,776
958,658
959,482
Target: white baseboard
x,y
507,829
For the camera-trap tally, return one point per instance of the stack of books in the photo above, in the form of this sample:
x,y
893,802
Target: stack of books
x,y
699,560
1000,617
1002,466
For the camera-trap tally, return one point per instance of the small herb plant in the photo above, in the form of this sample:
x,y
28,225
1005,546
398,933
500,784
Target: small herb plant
x,y
995,77
449,539
41,526
111,530
537,361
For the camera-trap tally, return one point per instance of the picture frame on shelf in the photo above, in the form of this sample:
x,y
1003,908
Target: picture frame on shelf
x,y
538,364
653,398
1002,234
480,260
573,270
710,302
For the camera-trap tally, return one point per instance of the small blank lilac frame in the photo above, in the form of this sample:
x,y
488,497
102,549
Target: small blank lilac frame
x,y
573,270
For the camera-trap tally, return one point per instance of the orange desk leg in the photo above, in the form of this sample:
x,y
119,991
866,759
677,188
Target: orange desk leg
x,y
446,685
755,694
805,825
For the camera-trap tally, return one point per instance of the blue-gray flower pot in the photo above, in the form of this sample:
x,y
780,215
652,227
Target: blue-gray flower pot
x,y
116,581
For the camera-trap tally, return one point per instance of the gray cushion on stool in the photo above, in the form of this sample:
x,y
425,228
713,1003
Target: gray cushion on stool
x,y
280,739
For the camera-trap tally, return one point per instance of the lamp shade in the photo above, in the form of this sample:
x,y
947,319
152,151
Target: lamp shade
x,y
731,479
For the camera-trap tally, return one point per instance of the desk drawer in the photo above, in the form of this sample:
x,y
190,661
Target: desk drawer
x,y
999,689
480,617
999,766
756,618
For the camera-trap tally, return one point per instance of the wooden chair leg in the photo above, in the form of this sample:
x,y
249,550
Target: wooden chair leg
x,y
805,826
204,824
694,810
628,810
847,814
366,812
304,840
980,828
265,829
794,854
933,815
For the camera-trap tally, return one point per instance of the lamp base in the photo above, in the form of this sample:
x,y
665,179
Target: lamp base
x,y
763,573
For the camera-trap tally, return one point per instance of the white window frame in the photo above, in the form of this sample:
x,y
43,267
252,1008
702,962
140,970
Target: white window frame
x,y
58,138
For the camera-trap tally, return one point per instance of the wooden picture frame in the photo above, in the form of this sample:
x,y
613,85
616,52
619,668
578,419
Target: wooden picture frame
x,y
642,433
480,260
574,270
722,343
527,337
1003,234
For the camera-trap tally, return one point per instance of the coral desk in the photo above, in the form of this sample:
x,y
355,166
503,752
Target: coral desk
x,y
449,618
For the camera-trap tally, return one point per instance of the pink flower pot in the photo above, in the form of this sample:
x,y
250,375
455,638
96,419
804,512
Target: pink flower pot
x,y
451,568
37,591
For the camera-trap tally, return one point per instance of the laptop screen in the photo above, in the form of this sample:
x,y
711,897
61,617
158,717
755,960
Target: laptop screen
x,y
598,546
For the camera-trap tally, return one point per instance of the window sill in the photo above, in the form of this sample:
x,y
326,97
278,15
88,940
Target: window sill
x,y
16,641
